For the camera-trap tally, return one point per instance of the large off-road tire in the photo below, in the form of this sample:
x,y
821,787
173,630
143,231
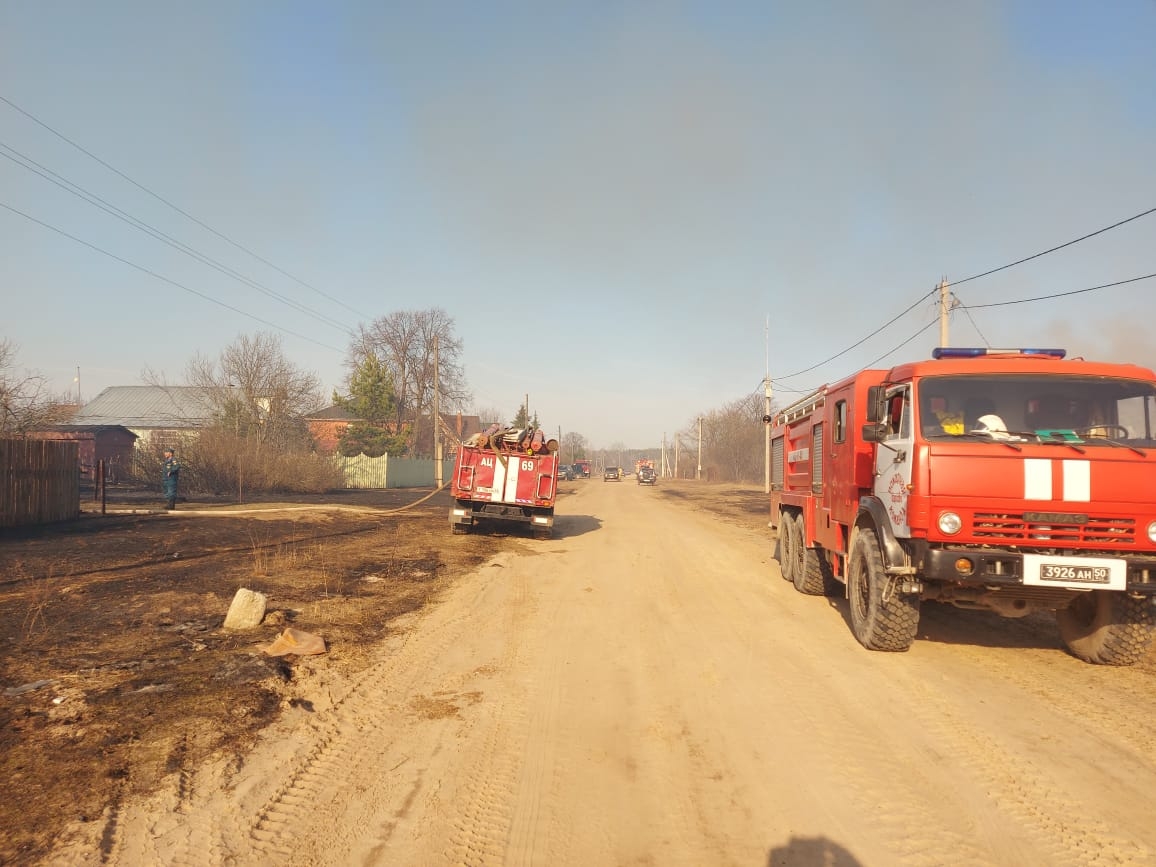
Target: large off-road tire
x,y
798,551
818,579
787,543
804,561
881,617
1107,627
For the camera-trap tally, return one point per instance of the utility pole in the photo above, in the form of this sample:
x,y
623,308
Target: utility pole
x,y
698,473
767,415
944,309
767,425
437,420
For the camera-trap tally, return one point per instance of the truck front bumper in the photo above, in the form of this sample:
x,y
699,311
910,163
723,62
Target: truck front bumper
x,y
1001,568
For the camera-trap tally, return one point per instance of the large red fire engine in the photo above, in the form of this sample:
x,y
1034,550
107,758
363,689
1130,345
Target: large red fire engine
x,y
504,483
1007,480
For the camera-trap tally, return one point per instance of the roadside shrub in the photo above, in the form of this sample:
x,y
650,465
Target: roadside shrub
x,y
220,462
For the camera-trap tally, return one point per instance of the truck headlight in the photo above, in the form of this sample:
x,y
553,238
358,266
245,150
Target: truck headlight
x,y
950,523
1152,532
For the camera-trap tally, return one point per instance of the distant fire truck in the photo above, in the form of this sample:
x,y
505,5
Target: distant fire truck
x,y
582,469
501,482
1007,480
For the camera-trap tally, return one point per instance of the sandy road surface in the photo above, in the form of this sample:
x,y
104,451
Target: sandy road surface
x,y
644,689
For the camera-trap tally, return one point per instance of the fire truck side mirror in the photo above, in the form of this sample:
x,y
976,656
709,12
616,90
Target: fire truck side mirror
x,y
767,419
876,403
873,432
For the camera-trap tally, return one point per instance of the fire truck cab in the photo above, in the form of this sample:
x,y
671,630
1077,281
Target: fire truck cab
x,y
1007,480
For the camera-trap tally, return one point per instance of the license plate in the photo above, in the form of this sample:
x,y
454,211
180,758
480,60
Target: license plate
x,y
1083,574
1075,572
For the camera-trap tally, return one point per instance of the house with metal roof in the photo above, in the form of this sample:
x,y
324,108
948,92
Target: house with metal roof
x,y
157,414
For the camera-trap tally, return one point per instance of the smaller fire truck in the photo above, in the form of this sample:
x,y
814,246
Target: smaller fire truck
x,y
504,483
582,468
1007,480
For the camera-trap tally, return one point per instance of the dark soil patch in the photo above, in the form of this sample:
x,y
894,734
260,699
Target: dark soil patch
x,y
115,671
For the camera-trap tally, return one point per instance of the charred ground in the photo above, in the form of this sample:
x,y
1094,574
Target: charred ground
x,y
115,668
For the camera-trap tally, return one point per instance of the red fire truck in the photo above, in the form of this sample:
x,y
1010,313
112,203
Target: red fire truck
x,y
1006,480
582,468
503,485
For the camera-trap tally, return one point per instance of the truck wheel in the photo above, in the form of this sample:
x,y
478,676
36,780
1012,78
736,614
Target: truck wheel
x,y
804,563
460,529
881,618
1107,627
817,580
542,533
787,544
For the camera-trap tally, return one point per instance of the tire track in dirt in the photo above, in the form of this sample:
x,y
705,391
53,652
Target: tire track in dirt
x,y
350,749
480,832
1066,828
847,743
1031,805
539,754
220,813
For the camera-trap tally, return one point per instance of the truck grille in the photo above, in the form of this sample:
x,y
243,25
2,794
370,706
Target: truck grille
x,y
1010,526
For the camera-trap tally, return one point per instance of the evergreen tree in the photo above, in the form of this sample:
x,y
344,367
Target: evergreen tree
x,y
373,401
520,420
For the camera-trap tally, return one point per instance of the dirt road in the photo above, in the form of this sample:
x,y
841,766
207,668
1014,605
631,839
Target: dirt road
x,y
645,689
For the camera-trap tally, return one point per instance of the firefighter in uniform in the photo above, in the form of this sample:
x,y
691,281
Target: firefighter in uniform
x,y
170,476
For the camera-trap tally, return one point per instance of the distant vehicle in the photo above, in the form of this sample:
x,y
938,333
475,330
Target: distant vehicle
x,y
646,475
565,473
581,469
612,474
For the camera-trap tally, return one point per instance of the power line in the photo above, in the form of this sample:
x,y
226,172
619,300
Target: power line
x,y
901,345
987,273
162,278
974,324
180,211
857,343
1054,249
1059,294
111,209
965,308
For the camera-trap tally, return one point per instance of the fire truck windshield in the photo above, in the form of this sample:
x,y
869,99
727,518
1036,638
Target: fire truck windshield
x,y
1037,408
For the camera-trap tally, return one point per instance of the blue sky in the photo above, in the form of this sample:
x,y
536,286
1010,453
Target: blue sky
x,y
610,200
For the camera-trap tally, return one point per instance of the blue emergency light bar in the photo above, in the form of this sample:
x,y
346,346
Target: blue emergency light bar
x,y
976,352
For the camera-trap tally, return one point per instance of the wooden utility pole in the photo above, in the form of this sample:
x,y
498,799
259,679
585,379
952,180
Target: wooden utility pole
x,y
767,414
437,420
698,473
944,309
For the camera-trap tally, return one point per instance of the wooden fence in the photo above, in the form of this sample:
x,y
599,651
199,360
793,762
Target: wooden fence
x,y
39,482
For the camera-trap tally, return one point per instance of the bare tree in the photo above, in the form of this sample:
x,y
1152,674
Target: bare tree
x,y
404,341
488,415
25,398
257,392
733,440
573,447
